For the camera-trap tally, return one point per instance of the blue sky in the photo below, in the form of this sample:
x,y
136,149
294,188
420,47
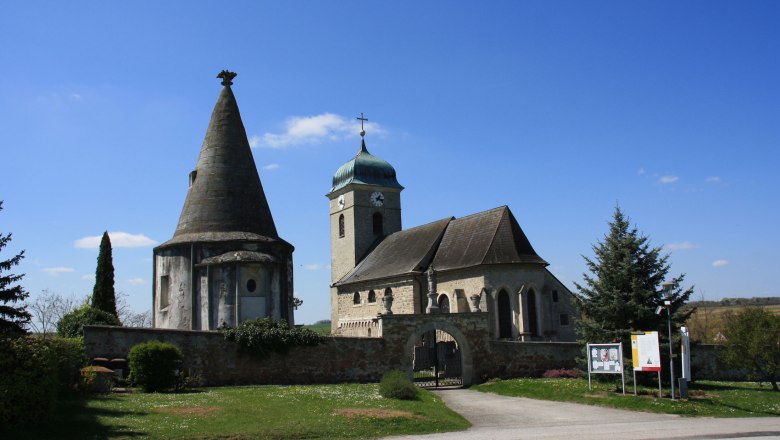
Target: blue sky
x,y
560,110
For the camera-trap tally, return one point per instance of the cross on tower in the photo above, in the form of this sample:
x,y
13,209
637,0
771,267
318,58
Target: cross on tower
x,y
362,119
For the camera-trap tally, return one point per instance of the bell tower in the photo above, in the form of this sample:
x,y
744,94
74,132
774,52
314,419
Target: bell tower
x,y
365,207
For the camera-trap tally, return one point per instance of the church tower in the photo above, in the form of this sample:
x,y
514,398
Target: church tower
x,y
365,207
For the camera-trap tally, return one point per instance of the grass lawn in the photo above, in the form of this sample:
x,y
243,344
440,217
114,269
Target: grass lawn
x,y
707,398
262,412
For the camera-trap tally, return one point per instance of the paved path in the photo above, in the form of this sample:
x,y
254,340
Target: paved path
x,y
497,417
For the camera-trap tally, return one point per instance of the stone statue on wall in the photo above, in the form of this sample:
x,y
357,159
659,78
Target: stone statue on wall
x,y
433,305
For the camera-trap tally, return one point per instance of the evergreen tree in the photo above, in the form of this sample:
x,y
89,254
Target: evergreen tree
x,y
623,289
103,295
13,318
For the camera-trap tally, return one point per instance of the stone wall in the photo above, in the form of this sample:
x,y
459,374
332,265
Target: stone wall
x,y
219,362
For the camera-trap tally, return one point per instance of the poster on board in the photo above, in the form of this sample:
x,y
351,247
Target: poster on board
x,y
605,358
645,354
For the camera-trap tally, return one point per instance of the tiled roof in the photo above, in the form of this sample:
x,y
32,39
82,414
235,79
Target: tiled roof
x,y
489,237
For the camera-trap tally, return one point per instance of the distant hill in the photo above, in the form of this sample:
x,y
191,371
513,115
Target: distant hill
x,y
709,319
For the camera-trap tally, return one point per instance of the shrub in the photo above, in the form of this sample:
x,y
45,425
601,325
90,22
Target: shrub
x,y
153,365
563,373
72,324
263,335
28,383
396,385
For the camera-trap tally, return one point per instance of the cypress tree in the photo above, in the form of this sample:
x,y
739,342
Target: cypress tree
x,y
623,289
13,318
103,295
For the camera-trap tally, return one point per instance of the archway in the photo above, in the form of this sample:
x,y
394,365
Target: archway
x,y
504,315
439,355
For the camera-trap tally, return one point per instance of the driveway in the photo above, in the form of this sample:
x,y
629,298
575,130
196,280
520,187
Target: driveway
x,y
497,417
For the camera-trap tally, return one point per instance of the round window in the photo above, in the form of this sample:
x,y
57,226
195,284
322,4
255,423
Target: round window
x,y
251,285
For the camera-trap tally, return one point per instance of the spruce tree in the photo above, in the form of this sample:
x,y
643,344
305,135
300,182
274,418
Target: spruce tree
x,y
103,295
13,317
623,289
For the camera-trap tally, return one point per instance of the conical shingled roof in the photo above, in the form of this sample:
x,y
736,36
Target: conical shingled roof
x,y
226,199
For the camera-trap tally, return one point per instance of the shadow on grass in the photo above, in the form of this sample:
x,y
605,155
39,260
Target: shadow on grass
x,y
73,419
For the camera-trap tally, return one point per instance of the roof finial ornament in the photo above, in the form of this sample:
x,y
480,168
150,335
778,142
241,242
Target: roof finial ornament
x,y
227,77
362,130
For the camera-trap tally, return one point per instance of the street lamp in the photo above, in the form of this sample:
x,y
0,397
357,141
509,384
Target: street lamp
x,y
667,289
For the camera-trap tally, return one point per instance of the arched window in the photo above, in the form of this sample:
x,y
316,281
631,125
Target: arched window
x,y
372,296
388,292
444,303
533,318
356,298
378,226
341,226
504,315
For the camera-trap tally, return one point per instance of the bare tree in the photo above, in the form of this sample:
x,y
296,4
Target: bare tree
x,y
128,316
47,310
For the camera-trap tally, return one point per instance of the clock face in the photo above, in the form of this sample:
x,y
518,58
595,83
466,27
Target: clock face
x,y
341,201
377,198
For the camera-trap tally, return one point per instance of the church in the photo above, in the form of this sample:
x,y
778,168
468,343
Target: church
x,y
226,262
479,263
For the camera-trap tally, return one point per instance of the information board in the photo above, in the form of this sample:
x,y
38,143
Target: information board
x,y
645,354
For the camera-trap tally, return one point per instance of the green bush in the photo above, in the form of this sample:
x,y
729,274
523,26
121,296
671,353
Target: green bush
x,y
28,380
396,385
72,324
70,355
153,365
263,335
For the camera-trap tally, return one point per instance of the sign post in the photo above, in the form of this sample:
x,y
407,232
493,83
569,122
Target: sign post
x,y
645,355
606,359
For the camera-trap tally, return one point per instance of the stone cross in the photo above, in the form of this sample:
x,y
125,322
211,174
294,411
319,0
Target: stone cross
x,y
362,119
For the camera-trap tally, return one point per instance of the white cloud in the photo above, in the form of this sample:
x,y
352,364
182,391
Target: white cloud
x,y
88,277
54,271
712,179
271,167
118,239
682,246
640,171
313,266
668,179
136,281
306,130
75,96
720,263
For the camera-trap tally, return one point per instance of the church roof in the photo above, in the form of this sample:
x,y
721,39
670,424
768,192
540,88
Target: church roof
x,y
365,169
225,200
401,253
489,237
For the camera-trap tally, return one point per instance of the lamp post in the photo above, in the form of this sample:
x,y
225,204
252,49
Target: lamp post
x,y
667,287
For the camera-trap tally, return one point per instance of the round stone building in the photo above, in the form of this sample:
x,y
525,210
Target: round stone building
x,y
225,263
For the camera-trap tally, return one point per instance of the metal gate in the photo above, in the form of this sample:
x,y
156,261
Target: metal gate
x,y
437,361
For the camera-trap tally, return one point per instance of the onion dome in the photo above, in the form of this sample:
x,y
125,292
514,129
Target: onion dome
x,y
365,169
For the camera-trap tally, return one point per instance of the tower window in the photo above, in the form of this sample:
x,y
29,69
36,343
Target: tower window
x,y
372,296
251,285
555,296
378,226
164,286
564,319
341,226
356,298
